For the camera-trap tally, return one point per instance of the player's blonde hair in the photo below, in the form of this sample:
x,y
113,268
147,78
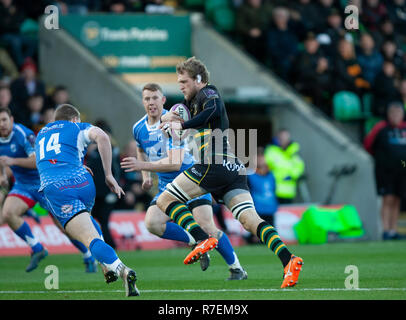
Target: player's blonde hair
x,y
66,112
194,68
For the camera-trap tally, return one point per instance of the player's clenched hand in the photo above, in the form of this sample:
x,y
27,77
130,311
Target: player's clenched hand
x,y
171,116
8,161
147,184
131,164
114,187
167,126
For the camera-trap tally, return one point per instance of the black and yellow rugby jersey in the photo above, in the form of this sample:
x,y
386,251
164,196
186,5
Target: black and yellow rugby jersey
x,y
208,114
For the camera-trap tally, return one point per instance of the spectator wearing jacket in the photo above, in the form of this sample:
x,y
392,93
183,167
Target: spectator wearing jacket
x,y
282,158
386,142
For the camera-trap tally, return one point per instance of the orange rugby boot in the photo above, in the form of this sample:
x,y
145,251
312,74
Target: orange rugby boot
x,y
291,272
200,249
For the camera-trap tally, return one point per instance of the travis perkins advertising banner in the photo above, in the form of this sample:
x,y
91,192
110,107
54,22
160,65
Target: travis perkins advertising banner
x,y
137,46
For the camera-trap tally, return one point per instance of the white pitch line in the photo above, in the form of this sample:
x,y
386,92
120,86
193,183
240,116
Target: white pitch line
x,y
205,290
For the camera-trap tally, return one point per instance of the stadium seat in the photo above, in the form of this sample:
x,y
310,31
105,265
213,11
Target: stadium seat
x,y
367,104
211,6
223,19
369,123
191,4
29,27
347,106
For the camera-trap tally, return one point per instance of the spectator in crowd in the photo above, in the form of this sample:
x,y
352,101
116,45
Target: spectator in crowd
x,y
116,6
60,95
402,91
348,72
8,69
384,89
373,13
369,58
387,31
20,46
252,21
6,102
72,6
387,144
397,14
105,200
48,116
392,53
312,74
281,42
324,8
158,7
32,9
307,13
282,158
35,106
329,37
263,189
25,86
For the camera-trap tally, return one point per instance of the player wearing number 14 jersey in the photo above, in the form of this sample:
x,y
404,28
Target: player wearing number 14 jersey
x,y
69,188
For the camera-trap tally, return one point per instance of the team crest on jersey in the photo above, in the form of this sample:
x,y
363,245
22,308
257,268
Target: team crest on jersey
x,y
67,208
13,147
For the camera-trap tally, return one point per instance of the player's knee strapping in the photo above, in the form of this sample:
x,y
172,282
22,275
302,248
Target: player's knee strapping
x,y
176,191
239,208
182,216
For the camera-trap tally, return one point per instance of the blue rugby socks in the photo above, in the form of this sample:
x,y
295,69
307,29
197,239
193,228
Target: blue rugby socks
x,y
105,254
175,232
24,232
226,250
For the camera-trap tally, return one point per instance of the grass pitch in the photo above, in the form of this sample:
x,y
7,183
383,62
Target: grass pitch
x,y
162,275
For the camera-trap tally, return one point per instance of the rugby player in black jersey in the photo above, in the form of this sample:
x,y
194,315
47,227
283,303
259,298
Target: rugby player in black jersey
x,y
217,171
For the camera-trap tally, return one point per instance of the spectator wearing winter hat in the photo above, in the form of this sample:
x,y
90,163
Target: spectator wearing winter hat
x,y
25,86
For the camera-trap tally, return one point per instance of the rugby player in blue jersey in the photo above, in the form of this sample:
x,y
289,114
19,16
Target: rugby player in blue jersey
x,y
17,153
17,158
168,158
69,189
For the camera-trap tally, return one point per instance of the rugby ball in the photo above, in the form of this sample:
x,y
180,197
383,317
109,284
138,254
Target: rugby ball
x,y
184,113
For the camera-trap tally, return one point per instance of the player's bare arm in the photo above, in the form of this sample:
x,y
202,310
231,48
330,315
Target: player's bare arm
x,y
171,116
171,163
146,175
104,146
28,163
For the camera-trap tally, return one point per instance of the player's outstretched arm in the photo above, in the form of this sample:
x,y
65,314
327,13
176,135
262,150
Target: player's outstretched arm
x,y
146,175
171,163
28,162
104,146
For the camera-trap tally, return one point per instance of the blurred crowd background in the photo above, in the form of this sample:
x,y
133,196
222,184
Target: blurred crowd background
x,y
304,42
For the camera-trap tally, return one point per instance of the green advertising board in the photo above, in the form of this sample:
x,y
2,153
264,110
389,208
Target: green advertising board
x,y
134,44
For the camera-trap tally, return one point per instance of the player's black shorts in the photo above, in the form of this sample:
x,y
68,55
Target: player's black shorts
x,y
390,182
218,179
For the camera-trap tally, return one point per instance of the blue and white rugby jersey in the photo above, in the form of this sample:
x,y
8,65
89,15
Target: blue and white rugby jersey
x,y
20,144
60,149
156,145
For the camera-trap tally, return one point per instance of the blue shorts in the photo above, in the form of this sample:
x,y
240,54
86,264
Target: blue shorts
x,y
29,194
70,197
196,202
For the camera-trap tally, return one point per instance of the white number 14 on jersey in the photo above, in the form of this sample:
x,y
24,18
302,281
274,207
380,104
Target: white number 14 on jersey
x,y
52,145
